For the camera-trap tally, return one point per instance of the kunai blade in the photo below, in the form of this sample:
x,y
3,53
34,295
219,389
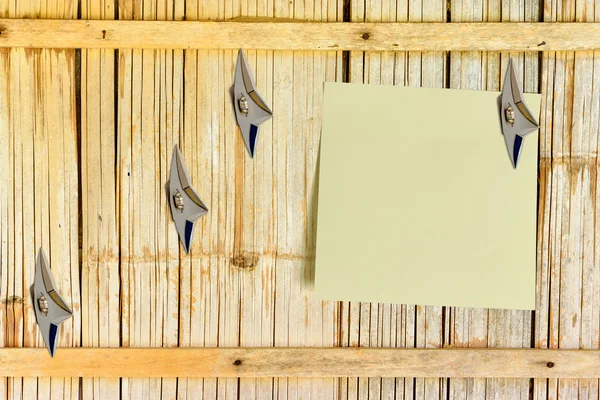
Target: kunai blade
x,y
186,206
250,108
50,309
516,119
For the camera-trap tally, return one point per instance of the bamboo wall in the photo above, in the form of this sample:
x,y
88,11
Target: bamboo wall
x,y
85,143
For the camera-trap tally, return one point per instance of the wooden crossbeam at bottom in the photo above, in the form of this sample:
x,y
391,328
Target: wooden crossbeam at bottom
x,y
299,362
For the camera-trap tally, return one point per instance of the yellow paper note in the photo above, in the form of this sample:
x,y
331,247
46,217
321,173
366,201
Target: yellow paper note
x,y
419,202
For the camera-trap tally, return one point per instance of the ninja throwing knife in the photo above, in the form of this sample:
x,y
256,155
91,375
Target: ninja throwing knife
x,y
250,109
515,118
50,309
186,206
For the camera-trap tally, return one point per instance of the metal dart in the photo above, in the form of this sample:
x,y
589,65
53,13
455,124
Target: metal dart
x,y
250,108
50,309
516,119
186,206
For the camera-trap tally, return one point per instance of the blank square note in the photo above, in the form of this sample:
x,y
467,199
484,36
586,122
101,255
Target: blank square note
x,y
418,200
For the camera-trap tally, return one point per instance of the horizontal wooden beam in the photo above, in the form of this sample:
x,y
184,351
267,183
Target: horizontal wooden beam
x,y
41,33
299,362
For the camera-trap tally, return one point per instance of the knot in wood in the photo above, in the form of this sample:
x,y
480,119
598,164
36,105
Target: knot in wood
x,y
247,261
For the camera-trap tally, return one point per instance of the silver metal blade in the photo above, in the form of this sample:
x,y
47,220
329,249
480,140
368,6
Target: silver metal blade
x,y
186,206
257,110
49,307
515,118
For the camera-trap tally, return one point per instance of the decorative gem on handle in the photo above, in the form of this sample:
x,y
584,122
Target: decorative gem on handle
x,y
178,200
509,114
243,104
43,304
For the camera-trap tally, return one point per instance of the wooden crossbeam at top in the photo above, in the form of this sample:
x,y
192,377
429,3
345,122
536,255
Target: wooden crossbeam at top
x,y
485,36
299,362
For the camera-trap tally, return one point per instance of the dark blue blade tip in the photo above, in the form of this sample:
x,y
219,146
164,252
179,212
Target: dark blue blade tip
x,y
252,138
517,148
187,239
52,339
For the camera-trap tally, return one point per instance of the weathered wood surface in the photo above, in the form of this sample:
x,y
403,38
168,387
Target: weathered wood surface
x,y
300,362
149,99
247,281
100,279
569,286
303,35
39,190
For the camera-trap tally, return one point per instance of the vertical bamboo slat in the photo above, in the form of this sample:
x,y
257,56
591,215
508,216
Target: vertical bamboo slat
x,y
299,319
569,271
150,93
254,237
255,249
39,191
5,183
208,286
100,245
20,318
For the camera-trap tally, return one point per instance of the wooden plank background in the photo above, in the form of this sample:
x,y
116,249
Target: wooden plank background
x,y
85,145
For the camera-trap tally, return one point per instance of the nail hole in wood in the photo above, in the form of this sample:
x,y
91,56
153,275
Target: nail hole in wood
x,y
550,364
365,36
237,362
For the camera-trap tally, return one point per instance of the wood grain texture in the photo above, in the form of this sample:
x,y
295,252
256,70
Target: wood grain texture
x,y
324,36
248,279
40,191
290,363
210,284
150,96
100,280
568,240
